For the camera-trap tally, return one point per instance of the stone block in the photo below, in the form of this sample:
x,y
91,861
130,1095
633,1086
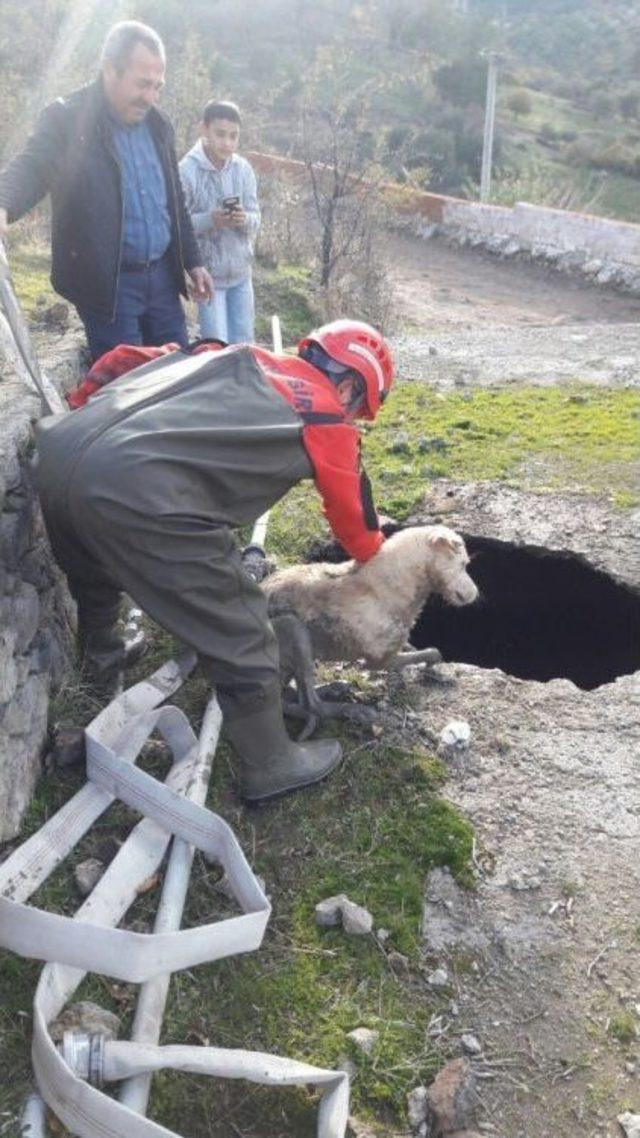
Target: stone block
x,y
8,671
22,613
19,771
452,1098
27,708
13,541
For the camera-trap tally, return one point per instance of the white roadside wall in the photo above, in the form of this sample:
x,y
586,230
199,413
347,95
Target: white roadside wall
x,y
556,231
604,250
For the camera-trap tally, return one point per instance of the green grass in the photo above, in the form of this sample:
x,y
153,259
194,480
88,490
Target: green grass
x,y
569,437
559,113
550,174
618,197
283,291
623,1028
30,267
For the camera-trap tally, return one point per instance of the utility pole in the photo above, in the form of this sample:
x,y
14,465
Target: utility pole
x,y
494,60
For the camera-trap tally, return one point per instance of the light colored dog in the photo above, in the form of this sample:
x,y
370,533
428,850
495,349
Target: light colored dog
x,y
364,612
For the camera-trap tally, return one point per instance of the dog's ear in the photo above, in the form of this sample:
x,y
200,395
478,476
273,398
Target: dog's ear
x,y
445,539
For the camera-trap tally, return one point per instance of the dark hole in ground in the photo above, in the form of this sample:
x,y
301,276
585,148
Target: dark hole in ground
x,y
542,616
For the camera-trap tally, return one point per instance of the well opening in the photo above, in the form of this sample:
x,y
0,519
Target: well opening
x,y
543,615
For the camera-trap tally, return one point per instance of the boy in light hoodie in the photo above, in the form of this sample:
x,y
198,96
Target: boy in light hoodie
x,y
221,196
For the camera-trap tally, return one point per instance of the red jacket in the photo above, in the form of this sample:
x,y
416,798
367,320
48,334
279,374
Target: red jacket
x,y
331,443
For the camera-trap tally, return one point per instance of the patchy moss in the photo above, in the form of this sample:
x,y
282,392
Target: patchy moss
x,y
623,1027
624,499
30,267
284,292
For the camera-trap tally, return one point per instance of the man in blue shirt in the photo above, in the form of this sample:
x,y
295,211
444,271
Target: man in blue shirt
x,y
123,246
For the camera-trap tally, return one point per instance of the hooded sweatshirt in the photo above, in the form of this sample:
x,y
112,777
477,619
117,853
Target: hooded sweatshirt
x,y
227,253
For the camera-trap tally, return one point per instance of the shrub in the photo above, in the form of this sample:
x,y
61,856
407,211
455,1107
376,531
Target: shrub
x,y
520,102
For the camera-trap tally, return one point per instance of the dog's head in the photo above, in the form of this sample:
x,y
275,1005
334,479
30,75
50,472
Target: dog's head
x,y
439,556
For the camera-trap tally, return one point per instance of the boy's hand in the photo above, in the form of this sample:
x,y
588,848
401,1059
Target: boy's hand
x,y
234,218
222,218
238,217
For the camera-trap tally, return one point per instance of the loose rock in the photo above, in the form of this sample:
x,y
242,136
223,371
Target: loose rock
x,y
417,1107
359,1129
356,921
452,1097
87,1017
365,1038
439,978
333,911
329,911
87,874
456,734
68,745
630,1123
398,962
471,1044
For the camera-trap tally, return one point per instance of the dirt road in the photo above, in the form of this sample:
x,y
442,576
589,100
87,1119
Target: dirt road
x,y
444,286
467,318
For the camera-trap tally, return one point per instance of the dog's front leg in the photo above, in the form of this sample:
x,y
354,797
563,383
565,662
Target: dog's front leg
x,y
296,662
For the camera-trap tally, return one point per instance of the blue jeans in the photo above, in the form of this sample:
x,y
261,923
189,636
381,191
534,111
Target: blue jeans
x,y
148,311
229,316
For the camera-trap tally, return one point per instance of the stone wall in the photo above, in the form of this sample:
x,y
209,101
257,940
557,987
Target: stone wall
x,y
604,250
36,614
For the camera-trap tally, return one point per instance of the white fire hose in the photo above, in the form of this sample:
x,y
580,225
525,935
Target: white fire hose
x,y
69,1078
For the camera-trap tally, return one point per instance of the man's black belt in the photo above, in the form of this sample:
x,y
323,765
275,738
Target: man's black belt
x,y
131,266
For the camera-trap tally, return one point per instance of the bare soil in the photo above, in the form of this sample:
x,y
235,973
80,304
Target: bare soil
x,y
545,959
437,282
469,319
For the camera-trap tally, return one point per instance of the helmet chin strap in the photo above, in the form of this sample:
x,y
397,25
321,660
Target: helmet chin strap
x,y
355,400
337,374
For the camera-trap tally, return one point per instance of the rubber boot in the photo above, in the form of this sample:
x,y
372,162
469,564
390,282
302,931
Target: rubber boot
x,y
271,764
105,654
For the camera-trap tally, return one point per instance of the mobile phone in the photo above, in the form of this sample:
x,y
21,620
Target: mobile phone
x,y
231,203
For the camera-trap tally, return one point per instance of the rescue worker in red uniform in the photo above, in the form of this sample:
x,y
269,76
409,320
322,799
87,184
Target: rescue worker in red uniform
x,y
142,487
